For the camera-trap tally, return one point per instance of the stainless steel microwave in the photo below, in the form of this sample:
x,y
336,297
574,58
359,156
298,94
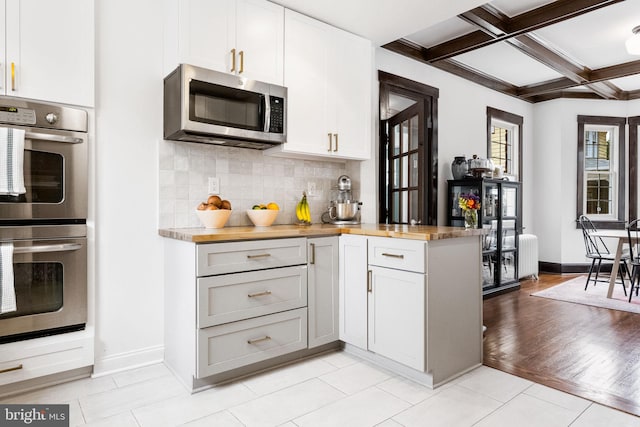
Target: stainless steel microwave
x,y
211,107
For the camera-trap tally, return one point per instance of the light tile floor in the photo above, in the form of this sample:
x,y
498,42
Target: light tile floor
x,y
334,389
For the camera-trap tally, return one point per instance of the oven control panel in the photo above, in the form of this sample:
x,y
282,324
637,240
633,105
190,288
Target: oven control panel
x,y
17,115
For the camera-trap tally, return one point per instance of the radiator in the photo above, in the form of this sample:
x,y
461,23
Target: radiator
x,y
527,256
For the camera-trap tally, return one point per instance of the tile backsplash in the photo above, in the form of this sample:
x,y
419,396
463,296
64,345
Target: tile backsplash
x,y
247,177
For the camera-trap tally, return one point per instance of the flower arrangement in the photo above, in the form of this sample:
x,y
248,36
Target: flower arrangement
x,y
469,203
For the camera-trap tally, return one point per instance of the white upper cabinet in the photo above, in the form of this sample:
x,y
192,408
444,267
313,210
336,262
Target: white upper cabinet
x,y
242,37
49,50
328,73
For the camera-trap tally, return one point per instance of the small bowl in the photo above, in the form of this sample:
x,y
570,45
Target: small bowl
x,y
214,218
262,217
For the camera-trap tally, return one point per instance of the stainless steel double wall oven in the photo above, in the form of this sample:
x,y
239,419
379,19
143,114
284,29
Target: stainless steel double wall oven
x,y
47,224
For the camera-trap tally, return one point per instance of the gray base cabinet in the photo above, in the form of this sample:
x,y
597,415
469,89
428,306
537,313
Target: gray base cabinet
x,y
322,290
416,307
233,306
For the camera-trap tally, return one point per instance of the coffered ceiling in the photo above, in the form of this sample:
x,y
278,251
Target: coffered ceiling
x,y
535,50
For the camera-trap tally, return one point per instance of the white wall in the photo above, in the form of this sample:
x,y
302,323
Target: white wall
x,y
129,283
555,191
462,122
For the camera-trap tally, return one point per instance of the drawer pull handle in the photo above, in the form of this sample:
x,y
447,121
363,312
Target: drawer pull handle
x,y
313,253
393,255
15,368
257,340
259,294
258,256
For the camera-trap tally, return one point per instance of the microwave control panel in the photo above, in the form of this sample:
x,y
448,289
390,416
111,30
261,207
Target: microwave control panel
x,y
276,125
17,115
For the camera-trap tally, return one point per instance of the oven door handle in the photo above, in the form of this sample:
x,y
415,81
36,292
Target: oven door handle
x,y
55,138
47,248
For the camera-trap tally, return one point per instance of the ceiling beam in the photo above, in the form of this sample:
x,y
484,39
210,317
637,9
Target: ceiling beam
x,y
546,87
597,75
476,76
633,94
489,19
564,94
550,58
553,13
615,71
496,26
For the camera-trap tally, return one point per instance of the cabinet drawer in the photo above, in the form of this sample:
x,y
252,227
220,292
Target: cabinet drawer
x,y
401,254
24,360
222,258
237,344
231,297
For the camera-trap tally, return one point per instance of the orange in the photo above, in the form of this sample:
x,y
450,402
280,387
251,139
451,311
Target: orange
x,y
273,206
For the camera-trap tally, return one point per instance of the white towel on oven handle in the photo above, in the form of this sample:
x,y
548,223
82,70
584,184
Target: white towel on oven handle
x,y
7,286
12,161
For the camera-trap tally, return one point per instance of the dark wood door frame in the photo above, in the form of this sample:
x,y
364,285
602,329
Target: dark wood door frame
x,y
390,83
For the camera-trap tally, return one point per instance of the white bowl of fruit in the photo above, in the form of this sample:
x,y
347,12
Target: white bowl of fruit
x,y
214,213
263,215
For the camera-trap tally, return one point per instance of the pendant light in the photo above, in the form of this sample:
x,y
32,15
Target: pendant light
x,y
633,42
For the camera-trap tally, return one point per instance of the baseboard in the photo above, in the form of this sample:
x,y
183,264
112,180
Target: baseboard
x,y
128,360
557,268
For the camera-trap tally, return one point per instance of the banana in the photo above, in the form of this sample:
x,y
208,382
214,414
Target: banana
x,y
307,211
299,211
302,210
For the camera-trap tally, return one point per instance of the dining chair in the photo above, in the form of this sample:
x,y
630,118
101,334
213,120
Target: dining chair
x,y
633,234
598,252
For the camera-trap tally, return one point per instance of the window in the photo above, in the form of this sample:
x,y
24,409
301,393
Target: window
x,y
601,177
504,141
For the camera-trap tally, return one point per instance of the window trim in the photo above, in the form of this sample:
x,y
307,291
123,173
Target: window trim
x,y
634,122
620,122
510,118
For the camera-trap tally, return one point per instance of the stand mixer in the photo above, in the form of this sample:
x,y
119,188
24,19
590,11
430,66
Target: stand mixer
x,y
343,209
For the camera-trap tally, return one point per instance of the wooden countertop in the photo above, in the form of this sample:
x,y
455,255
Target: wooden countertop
x,y
413,232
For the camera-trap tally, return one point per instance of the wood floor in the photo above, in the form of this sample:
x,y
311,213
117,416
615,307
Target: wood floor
x,y
586,351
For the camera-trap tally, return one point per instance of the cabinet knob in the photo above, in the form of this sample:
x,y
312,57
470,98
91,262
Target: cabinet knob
x,y
51,118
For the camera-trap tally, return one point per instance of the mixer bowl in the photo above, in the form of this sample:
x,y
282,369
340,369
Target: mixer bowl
x,y
344,211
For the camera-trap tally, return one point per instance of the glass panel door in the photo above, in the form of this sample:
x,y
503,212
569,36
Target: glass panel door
x,y
405,166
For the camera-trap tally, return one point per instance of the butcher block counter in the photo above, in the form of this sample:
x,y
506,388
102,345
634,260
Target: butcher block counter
x,y
413,232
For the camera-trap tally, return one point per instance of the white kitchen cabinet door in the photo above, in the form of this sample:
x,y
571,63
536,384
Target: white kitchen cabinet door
x,y
323,290
328,76
350,95
353,290
305,71
50,50
397,321
207,33
242,37
260,41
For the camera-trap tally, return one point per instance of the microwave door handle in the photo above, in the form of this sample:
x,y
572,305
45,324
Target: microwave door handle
x,y
55,138
47,248
267,113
